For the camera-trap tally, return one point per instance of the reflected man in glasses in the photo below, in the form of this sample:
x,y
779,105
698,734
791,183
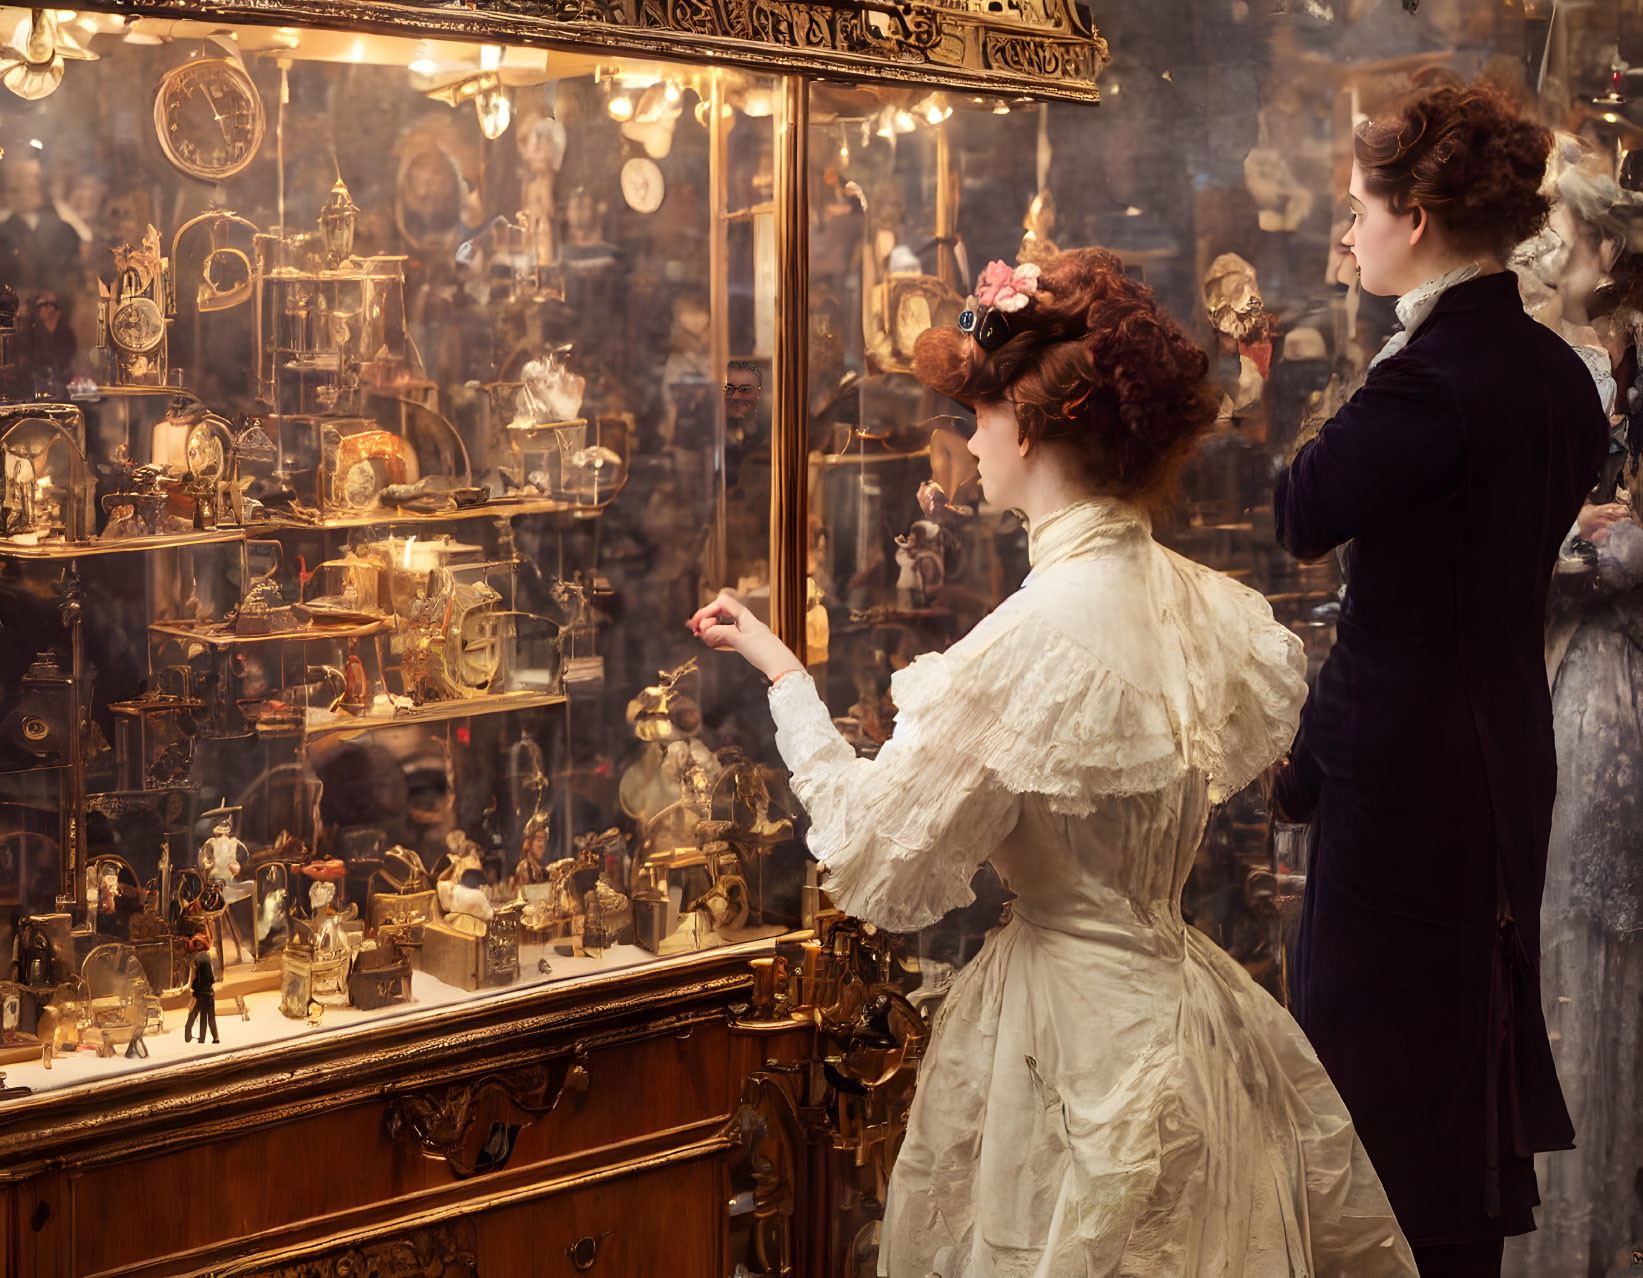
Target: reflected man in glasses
x,y
744,400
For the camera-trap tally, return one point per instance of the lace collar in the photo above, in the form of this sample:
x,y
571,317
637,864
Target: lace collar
x,y
1415,307
1075,531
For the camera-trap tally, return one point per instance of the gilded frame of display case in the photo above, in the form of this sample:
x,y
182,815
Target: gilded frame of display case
x,y
256,666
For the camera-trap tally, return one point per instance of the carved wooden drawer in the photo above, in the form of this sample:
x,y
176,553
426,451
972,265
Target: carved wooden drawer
x,y
663,1222
474,1138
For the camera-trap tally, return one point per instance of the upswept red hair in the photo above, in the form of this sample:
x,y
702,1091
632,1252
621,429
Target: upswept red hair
x,y
1094,361
1464,155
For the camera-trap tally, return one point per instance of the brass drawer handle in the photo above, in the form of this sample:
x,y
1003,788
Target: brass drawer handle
x,y
584,1251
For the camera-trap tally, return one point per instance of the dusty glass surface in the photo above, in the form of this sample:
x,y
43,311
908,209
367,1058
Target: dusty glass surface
x,y
367,450
1216,167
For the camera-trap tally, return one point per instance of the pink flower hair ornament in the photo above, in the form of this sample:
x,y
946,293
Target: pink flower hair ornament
x,y
1008,288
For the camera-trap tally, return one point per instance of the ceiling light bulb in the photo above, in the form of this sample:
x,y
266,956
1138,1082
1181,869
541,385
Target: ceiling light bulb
x,y
621,108
423,66
904,122
1003,108
672,93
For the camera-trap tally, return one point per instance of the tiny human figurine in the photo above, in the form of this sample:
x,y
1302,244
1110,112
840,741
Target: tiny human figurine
x,y
923,556
531,866
203,987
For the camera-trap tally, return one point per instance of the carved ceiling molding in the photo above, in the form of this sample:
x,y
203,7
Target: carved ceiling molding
x,y
1045,48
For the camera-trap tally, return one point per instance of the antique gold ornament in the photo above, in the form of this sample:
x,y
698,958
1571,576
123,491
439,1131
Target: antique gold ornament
x,y
209,118
133,324
642,184
32,59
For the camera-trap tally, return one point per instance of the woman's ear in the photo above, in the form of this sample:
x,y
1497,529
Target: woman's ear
x,y
1418,227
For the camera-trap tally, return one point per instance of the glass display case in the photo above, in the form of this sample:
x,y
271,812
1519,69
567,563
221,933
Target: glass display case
x,y
382,393
381,387
351,524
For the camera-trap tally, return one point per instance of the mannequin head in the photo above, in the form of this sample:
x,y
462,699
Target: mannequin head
x,y
1452,179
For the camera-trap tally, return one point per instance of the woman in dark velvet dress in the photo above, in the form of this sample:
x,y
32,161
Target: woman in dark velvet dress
x,y
1425,759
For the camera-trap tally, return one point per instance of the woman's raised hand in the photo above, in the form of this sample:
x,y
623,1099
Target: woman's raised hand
x,y
727,624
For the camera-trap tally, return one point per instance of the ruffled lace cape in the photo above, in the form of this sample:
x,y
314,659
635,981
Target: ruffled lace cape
x,y
1117,669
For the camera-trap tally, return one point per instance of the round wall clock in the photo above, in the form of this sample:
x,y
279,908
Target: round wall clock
x,y
642,185
209,118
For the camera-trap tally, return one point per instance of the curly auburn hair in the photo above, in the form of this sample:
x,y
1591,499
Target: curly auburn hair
x,y
1464,155
1093,361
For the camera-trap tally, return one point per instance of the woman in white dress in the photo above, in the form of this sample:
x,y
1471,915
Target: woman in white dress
x,y
1105,1091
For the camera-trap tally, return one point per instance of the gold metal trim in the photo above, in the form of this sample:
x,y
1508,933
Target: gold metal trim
x,y
790,417
1046,48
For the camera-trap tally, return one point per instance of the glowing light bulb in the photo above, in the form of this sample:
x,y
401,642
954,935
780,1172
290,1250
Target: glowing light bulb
x,y
621,108
672,93
423,66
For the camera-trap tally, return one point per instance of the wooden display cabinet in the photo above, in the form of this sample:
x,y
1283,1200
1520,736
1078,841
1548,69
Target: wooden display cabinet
x,y
687,1111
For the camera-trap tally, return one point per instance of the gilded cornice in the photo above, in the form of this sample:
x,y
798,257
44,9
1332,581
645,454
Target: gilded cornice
x,y
1045,48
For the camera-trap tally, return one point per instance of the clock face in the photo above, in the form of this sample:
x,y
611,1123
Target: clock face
x,y
209,118
642,185
205,453
137,326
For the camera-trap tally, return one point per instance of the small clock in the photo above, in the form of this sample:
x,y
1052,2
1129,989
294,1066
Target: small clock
x,y
137,325
642,185
209,118
205,449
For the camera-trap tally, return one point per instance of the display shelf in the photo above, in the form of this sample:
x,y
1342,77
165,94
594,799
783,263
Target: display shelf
x,y
466,708
506,508
178,630
121,545
267,1031
829,460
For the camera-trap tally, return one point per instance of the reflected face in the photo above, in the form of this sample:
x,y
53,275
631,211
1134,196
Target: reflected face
x,y
1000,455
1381,242
742,394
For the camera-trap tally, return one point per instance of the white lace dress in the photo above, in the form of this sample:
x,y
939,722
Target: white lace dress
x,y
1105,1092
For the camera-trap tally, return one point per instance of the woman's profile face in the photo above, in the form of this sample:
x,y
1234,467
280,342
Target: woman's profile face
x,y
1380,241
996,446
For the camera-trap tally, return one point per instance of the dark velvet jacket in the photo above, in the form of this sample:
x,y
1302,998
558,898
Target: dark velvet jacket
x,y
1425,758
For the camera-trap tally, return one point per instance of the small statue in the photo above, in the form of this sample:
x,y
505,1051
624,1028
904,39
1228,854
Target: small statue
x,y
1038,244
532,865
221,857
460,888
923,555
204,989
